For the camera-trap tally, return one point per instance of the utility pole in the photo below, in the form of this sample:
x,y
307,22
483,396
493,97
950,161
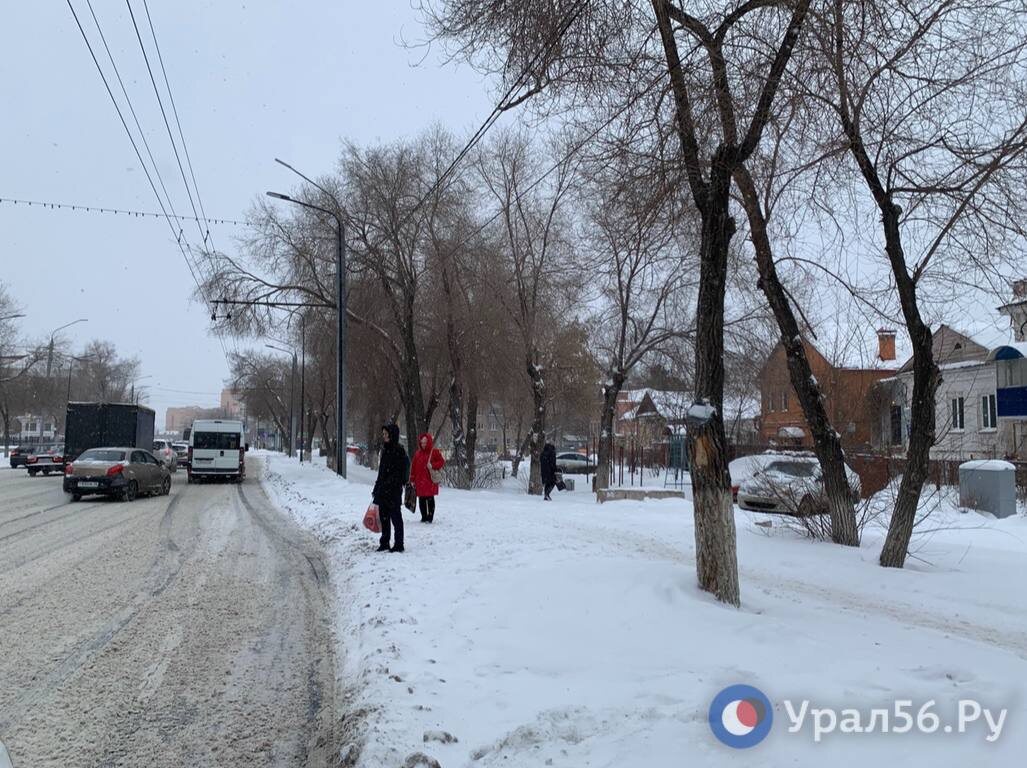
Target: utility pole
x,y
340,300
303,378
54,332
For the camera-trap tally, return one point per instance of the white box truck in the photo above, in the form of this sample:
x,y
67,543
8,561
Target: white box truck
x,y
217,449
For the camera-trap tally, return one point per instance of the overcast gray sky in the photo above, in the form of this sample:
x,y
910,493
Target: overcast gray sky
x,y
252,81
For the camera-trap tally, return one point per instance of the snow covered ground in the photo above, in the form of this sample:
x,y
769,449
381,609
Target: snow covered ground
x,y
520,633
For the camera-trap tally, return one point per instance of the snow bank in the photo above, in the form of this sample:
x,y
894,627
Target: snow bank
x,y
516,632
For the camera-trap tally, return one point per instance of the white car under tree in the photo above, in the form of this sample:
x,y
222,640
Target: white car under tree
x,y
784,484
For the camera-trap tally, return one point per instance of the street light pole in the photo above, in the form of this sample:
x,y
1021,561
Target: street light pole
x,y
303,384
49,354
340,294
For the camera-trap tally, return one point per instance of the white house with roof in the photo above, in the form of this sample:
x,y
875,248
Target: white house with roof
x,y
981,401
32,428
668,408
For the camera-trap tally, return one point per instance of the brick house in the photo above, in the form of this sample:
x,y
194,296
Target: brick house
x,y
847,392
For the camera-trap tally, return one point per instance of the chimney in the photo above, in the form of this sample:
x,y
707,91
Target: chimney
x,y
886,344
1016,310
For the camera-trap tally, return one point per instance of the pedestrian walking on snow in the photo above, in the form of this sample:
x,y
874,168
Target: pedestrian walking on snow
x,y
393,470
426,459
548,468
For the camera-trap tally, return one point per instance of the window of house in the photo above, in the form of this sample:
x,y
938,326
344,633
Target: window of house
x,y
989,416
770,402
896,425
784,400
956,413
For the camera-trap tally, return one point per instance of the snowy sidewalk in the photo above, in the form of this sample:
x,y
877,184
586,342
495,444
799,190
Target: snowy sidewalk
x,y
572,634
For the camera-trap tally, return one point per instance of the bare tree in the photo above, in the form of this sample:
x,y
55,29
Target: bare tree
x,y
16,364
532,231
779,163
928,100
641,264
718,116
265,387
103,375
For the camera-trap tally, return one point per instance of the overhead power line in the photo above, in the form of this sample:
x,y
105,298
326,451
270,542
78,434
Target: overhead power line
x,y
131,108
117,107
207,241
174,111
178,234
567,156
167,124
49,204
497,111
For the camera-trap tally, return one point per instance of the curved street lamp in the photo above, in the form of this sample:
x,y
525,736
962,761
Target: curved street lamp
x,y
54,332
340,288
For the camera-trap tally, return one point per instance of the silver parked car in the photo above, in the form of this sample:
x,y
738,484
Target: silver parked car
x,y
121,472
571,462
787,484
164,451
182,449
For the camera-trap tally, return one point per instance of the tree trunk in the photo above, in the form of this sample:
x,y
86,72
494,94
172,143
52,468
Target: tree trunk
x,y
472,434
413,394
926,378
715,556
926,375
607,419
827,444
456,421
537,434
373,438
522,446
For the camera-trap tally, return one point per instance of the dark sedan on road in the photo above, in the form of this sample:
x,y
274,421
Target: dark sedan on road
x,y
120,472
18,456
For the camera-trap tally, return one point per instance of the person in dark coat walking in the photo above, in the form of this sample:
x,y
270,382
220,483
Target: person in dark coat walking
x,y
393,470
548,467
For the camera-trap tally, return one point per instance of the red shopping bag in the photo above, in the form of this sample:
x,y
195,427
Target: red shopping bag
x,y
371,520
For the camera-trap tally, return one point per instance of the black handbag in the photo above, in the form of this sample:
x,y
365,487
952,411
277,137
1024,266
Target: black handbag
x,y
409,497
560,484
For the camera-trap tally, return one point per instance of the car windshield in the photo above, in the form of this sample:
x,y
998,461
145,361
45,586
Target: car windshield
x,y
102,454
158,445
793,468
223,441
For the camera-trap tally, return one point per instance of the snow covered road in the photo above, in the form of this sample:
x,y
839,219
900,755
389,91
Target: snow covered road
x,y
181,630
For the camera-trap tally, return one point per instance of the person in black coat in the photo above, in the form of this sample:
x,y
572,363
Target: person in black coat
x,y
393,471
548,467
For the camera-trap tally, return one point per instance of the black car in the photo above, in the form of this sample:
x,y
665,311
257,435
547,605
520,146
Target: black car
x,y
18,456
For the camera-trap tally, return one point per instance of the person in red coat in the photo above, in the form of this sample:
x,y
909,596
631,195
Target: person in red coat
x,y
426,488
